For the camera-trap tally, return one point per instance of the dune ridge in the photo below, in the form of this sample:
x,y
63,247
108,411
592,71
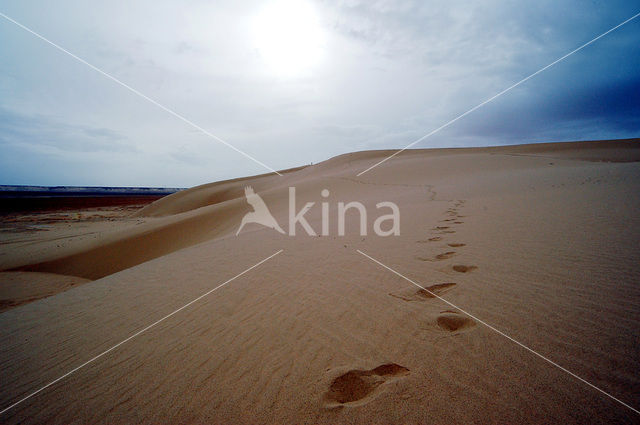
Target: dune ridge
x,y
214,207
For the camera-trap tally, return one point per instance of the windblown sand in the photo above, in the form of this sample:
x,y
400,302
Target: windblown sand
x,y
539,241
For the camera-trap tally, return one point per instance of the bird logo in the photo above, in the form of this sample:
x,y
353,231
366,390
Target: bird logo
x,y
260,213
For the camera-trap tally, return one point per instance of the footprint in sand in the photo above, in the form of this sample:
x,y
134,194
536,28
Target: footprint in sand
x,y
463,269
357,387
439,257
445,255
451,321
456,245
434,239
422,294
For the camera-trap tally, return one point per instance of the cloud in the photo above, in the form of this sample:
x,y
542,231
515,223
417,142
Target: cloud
x,y
391,72
46,134
569,109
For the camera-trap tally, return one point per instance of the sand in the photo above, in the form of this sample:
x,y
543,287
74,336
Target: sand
x,y
539,241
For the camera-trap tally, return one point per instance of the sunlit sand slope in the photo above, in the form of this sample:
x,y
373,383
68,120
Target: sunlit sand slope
x,y
539,241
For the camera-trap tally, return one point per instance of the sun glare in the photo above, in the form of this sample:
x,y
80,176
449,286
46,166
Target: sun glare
x,y
288,37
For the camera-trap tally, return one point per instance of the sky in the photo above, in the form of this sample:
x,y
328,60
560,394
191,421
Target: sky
x,y
293,82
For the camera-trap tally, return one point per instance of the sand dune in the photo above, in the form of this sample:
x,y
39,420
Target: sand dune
x,y
540,241
24,287
219,204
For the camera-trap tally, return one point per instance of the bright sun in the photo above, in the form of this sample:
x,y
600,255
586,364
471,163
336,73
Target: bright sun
x,y
289,37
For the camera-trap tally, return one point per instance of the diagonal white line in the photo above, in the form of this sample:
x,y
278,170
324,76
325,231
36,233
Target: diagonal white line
x,y
501,333
499,94
138,333
131,89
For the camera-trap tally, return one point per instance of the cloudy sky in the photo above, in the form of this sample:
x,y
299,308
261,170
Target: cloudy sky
x,y
297,81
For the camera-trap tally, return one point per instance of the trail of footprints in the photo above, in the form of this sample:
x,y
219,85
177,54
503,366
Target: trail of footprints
x,y
357,386
448,321
454,219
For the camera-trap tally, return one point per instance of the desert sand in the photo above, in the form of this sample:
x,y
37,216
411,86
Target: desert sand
x,y
539,241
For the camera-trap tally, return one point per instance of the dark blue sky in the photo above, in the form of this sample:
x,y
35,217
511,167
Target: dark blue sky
x,y
293,82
